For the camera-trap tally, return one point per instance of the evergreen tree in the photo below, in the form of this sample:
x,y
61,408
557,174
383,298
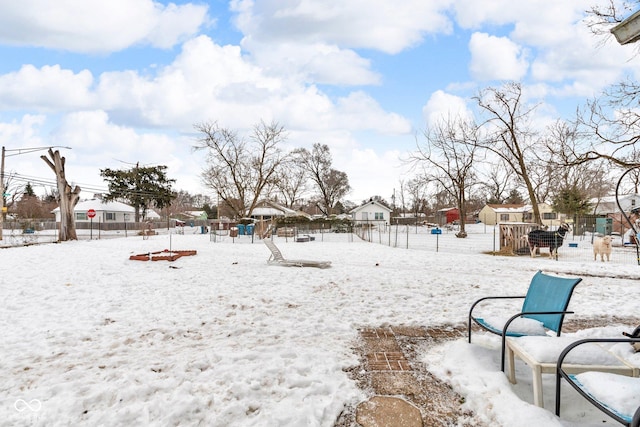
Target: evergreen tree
x,y
572,201
28,190
140,187
514,197
212,212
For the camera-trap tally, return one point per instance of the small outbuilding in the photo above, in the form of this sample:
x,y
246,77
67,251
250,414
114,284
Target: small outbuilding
x,y
447,216
372,212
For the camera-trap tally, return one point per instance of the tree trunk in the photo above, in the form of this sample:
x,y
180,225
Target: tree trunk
x,y
68,197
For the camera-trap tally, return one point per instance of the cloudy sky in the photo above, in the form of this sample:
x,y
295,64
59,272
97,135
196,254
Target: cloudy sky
x,y
124,81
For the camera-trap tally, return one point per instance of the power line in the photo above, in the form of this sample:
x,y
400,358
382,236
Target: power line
x,y
84,187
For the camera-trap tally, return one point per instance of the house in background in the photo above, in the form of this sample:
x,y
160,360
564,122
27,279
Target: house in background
x,y
193,215
506,213
188,218
372,212
266,210
607,205
105,212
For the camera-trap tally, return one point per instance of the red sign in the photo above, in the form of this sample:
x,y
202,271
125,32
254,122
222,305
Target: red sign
x,y
91,213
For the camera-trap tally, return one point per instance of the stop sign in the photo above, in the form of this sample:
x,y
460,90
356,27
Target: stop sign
x,y
91,213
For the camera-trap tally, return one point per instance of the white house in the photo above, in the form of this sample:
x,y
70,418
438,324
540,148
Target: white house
x,y
371,211
607,205
105,211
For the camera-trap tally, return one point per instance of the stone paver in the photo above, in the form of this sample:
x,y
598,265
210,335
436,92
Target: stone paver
x,y
386,411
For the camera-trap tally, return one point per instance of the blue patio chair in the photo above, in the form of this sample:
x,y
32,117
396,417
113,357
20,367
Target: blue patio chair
x,y
604,390
546,302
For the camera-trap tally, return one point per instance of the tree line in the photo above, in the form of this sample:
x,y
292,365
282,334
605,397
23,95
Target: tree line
x,y
243,171
568,162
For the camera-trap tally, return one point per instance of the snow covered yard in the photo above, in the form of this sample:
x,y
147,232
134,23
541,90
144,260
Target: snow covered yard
x,y
223,339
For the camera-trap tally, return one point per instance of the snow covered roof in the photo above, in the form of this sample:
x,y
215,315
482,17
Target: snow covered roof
x,y
269,208
369,203
515,208
101,205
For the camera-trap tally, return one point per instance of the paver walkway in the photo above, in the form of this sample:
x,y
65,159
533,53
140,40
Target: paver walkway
x,y
389,369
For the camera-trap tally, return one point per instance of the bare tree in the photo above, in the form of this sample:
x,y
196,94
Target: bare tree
x,y
509,135
291,180
68,196
562,146
614,118
12,191
448,158
30,206
331,184
241,171
402,196
417,190
497,183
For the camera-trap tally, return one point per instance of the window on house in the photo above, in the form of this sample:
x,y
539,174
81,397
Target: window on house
x,y
549,215
110,216
504,217
527,216
379,216
81,216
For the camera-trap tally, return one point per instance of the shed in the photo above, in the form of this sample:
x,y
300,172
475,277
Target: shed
x,y
447,215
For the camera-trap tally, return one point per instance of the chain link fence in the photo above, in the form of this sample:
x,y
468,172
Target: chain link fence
x,y
509,239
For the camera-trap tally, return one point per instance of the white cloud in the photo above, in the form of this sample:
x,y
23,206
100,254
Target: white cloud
x,y
442,106
533,19
319,63
496,58
49,87
553,36
206,81
22,133
373,24
97,25
361,111
371,173
98,143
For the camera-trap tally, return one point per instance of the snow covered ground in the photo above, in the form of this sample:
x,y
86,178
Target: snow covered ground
x,y
222,339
